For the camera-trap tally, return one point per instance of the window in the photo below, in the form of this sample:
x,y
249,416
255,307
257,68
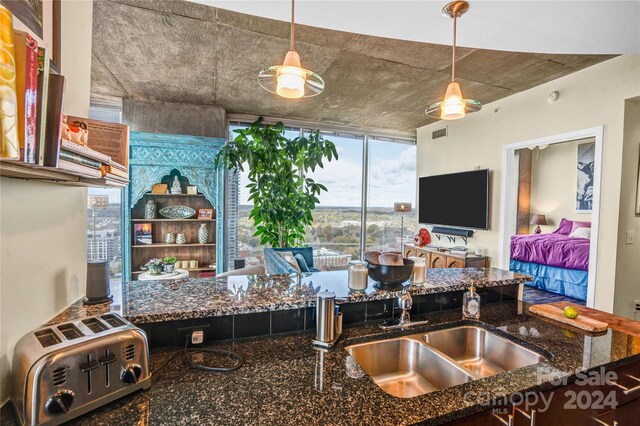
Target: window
x,y
104,239
104,210
391,179
336,234
337,220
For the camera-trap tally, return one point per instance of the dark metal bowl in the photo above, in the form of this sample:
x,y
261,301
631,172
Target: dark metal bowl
x,y
389,277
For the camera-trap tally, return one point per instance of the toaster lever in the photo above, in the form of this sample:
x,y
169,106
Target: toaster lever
x,y
91,365
108,359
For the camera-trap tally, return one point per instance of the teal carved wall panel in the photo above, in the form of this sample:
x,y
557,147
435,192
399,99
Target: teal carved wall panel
x,y
153,156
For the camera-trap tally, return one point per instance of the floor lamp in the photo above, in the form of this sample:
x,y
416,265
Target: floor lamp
x,y
97,202
402,208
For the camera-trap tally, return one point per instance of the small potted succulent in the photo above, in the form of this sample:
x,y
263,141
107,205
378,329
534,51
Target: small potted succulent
x,y
154,266
169,263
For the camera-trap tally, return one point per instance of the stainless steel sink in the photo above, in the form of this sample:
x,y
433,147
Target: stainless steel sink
x,y
405,367
480,351
413,365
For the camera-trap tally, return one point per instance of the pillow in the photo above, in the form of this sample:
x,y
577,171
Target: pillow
x,y
302,263
577,225
275,264
581,233
565,227
288,256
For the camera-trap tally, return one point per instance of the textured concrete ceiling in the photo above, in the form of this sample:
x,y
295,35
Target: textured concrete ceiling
x,y
177,51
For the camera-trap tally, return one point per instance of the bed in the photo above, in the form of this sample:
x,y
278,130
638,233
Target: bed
x,y
559,262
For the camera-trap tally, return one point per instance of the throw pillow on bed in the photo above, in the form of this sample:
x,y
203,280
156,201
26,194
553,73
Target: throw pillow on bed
x,y
565,227
581,233
577,225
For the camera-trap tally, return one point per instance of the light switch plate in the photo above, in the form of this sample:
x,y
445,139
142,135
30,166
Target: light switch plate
x,y
630,237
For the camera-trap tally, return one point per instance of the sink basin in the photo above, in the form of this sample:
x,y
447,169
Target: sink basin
x,y
480,351
413,365
405,367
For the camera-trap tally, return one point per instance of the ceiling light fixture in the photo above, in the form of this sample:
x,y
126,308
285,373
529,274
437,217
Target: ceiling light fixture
x,y
290,80
454,106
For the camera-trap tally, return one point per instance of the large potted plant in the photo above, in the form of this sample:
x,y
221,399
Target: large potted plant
x,y
282,193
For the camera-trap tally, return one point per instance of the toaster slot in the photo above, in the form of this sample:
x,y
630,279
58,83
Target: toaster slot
x,y
95,325
113,320
70,331
47,337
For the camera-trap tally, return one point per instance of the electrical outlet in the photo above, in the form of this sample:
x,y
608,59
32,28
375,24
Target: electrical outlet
x,y
630,237
197,337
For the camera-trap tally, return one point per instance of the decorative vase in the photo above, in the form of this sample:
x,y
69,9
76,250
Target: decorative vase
x,y
169,268
181,238
155,269
175,187
170,238
203,233
150,209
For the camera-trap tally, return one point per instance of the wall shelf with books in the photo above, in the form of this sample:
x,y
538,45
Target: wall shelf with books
x,y
19,170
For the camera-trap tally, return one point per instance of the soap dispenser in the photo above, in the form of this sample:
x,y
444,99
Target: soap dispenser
x,y
471,304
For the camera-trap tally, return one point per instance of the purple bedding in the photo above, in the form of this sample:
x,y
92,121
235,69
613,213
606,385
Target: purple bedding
x,y
551,249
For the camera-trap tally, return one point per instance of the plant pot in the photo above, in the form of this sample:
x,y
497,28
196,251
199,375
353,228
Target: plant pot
x,y
155,269
169,268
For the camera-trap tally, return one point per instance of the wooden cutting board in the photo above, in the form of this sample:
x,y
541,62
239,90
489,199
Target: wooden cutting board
x,y
557,314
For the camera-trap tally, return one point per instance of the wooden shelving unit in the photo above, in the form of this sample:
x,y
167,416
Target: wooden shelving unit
x,y
19,170
155,245
201,269
205,253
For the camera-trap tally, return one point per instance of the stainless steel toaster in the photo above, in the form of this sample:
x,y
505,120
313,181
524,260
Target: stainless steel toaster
x,y
65,370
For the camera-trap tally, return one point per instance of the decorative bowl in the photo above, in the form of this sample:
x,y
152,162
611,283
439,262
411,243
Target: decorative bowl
x,y
389,277
177,212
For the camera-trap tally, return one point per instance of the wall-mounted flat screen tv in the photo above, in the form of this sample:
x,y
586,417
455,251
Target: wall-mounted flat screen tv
x,y
455,199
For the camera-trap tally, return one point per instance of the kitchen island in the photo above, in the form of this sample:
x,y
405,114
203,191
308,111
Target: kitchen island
x,y
286,381
253,305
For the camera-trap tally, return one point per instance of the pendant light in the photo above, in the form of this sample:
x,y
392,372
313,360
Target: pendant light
x,y
454,106
290,80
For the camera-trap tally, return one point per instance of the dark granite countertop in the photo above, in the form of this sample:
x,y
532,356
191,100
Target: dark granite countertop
x,y
145,302
286,381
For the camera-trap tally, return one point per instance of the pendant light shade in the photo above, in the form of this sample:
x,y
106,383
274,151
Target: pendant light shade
x,y
290,80
453,106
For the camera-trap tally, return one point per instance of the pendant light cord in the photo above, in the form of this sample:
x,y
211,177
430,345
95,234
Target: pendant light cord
x,y
292,24
453,59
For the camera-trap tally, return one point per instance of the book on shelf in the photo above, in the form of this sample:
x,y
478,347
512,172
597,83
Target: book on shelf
x,y
79,169
109,169
55,97
41,103
118,166
9,142
26,59
111,139
85,151
79,159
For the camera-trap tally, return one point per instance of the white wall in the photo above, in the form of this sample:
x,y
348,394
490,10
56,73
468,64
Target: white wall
x,y
43,226
628,259
591,97
553,183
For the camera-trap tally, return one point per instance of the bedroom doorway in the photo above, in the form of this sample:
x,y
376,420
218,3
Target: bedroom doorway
x,y
516,216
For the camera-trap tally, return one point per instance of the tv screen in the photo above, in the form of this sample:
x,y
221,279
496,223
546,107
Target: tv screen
x,y
456,199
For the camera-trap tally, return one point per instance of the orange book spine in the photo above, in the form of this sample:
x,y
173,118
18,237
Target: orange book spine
x,y
9,142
